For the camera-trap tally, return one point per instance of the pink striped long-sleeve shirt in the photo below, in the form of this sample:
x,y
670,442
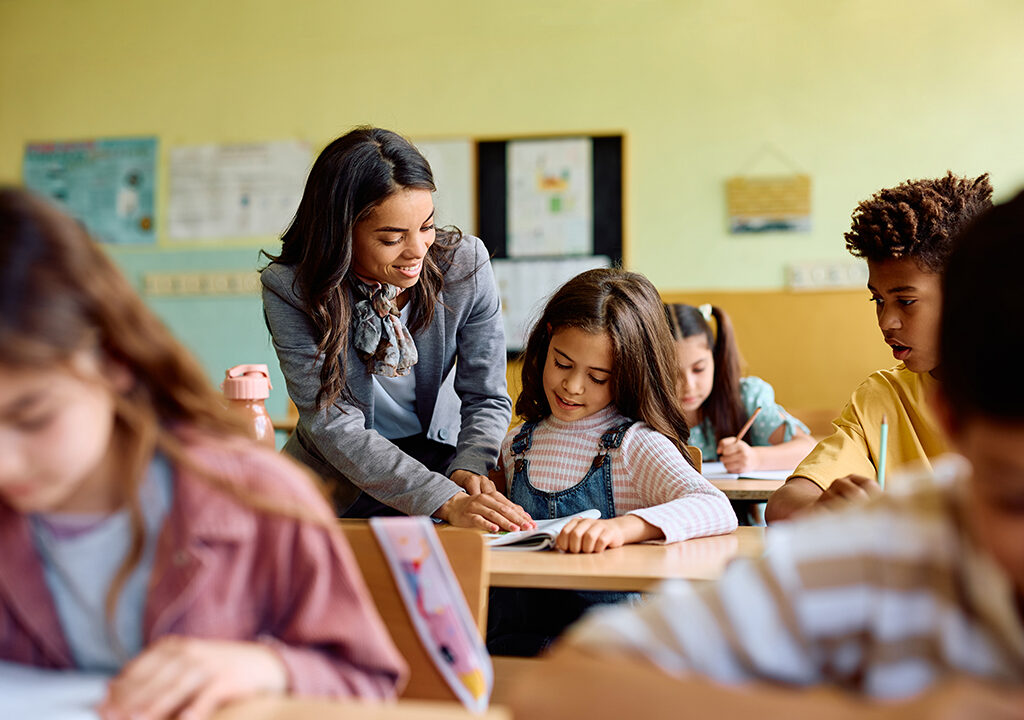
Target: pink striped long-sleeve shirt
x,y
650,478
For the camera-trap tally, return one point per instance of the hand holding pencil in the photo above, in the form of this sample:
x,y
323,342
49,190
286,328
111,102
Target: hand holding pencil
x,y
735,453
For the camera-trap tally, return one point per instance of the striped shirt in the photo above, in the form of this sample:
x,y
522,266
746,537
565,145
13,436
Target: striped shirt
x,y
882,601
650,478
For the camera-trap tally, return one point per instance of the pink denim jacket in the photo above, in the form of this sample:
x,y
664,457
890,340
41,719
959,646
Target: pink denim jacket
x,y
226,571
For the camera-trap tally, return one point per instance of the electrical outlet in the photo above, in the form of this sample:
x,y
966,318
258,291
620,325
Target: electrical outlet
x,y
225,282
826,275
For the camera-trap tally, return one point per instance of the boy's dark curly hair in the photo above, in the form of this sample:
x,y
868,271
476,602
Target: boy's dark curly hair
x,y
917,219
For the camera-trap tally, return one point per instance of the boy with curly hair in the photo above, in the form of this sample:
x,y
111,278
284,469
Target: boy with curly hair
x,y
905,234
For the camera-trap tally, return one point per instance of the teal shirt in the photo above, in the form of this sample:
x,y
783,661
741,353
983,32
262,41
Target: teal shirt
x,y
755,393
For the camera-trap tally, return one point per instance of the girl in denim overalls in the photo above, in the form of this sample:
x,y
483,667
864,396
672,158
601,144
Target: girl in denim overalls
x,y
603,430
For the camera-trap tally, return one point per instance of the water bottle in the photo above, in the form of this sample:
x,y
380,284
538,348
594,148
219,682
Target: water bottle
x,y
246,387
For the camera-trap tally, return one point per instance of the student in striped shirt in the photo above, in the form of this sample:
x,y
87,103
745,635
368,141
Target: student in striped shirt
x,y
603,430
916,598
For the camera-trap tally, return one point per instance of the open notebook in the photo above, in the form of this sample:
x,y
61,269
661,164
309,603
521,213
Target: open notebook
x,y
540,538
31,692
716,471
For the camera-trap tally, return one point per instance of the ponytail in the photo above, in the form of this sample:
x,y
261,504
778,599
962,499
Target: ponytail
x,y
724,406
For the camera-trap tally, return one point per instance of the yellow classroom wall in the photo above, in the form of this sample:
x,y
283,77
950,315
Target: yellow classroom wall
x,y
789,353
860,94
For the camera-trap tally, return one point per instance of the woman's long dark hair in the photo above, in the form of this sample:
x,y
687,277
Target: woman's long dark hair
x,y
627,307
724,406
351,176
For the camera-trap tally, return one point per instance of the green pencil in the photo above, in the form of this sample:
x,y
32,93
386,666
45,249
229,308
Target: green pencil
x,y
883,444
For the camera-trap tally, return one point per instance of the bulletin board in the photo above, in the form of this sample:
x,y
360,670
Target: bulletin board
x,y
493,194
547,209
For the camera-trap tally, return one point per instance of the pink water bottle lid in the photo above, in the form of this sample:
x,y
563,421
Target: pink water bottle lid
x,y
247,382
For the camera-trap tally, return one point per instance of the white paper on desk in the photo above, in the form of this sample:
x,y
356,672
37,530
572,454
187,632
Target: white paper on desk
x,y
540,538
716,471
40,694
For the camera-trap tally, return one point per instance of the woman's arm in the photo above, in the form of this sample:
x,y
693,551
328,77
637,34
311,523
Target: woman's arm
x,y
359,454
480,370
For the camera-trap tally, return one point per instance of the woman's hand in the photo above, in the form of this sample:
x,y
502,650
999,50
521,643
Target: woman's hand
x,y
586,535
472,483
190,678
737,455
487,511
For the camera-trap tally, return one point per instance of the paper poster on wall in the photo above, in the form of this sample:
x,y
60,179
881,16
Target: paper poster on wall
x,y
235,190
525,285
769,204
107,184
550,204
451,161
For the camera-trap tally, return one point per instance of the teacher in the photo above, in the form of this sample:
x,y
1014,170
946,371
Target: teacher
x,y
390,337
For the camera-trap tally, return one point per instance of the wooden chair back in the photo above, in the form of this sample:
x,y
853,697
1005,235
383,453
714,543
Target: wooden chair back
x,y
818,420
695,455
467,554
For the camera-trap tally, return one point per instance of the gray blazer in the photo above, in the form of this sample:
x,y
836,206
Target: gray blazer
x,y
461,394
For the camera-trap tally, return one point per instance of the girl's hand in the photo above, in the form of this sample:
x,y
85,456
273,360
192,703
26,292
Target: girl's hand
x,y
586,535
472,483
487,511
189,678
737,455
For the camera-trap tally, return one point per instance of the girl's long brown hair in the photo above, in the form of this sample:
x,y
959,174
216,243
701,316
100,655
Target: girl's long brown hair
x,y
724,406
627,307
61,295
350,177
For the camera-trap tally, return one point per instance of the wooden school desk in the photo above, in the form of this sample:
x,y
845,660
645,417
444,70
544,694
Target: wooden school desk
x,y
747,489
312,709
756,488
630,567
29,692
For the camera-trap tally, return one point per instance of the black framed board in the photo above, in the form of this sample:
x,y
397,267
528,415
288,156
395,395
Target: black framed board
x,y
548,208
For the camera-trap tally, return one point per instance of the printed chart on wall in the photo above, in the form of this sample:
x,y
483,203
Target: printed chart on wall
x,y
550,197
235,190
107,184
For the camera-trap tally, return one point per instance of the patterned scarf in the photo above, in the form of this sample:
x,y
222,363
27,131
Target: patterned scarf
x,y
378,334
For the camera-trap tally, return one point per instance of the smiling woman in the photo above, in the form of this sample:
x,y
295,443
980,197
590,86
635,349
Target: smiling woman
x,y
389,335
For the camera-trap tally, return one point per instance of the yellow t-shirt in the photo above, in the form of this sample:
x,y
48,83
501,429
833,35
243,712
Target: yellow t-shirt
x,y
914,434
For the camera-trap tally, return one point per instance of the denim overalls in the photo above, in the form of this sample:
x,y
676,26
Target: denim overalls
x,y
524,622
